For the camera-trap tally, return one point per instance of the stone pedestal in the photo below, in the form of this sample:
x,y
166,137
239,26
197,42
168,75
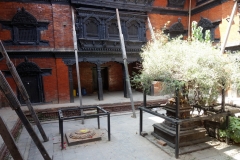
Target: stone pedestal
x,y
187,137
73,140
190,132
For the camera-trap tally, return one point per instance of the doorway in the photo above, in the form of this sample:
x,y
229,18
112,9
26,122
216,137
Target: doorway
x,y
31,77
31,85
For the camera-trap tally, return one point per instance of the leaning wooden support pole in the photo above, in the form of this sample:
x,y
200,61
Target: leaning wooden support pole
x,y
125,63
9,141
151,29
22,90
15,105
77,66
229,27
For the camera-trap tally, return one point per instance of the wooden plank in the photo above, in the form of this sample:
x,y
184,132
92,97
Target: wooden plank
x,y
161,142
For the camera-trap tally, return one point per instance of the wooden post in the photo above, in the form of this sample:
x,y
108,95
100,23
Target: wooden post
x,y
9,141
100,84
125,63
151,29
229,27
76,59
22,90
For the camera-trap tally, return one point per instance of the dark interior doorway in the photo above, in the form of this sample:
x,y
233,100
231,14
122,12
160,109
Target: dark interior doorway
x,y
31,77
31,85
104,74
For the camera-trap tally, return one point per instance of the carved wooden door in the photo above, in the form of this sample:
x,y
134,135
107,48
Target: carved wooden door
x,y
31,85
31,77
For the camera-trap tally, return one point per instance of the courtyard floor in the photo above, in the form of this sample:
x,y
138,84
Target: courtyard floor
x,y
126,143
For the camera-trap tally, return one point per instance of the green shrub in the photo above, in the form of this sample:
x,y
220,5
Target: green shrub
x,y
233,131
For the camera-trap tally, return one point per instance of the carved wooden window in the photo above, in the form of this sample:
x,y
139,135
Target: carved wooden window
x,y
25,29
176,3
201,1
25,35
133,30
113,30
206,24
176,29
92,26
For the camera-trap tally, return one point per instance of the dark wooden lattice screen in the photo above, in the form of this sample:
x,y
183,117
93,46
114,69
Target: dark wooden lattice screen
x,y
27,34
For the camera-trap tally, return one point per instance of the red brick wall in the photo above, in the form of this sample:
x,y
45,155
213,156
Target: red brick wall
x,y
86,79
55,86
158,21
63,28
59,35
62,82
115,76
221,12
59,32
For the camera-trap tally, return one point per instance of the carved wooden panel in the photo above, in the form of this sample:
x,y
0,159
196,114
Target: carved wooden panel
x,y
92,28
134,5
97,30
206,24
176,29
201,1
133,30
176,3
28,68
177,26
112,30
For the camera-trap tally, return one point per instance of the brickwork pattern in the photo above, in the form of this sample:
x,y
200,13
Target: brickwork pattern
x,y
59,32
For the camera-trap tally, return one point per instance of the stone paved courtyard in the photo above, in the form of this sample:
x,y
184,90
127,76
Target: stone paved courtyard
x,y
126,143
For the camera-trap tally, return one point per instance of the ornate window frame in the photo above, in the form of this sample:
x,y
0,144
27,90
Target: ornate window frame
x,y
25,29
198,2
206,24
176,3
176,29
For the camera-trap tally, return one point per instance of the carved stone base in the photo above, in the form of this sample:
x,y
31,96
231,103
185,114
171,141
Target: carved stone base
x,y
187,137
74,141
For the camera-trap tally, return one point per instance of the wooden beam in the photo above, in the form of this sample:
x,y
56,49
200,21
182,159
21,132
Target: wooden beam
x,y
9,141
125,63
15,104
22,90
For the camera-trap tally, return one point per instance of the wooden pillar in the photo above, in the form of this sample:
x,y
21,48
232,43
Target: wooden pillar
x,y
70,77
100,85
